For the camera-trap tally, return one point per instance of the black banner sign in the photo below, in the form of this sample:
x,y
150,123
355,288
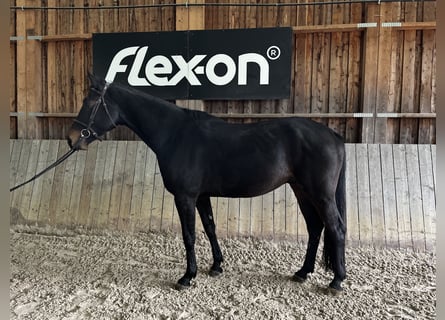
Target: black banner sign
x,y
204,64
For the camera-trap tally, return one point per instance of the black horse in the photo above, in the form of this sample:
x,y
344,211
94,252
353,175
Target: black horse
x,y
201,156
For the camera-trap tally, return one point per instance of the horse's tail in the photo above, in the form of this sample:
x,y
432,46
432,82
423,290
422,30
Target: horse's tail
x,y
340,198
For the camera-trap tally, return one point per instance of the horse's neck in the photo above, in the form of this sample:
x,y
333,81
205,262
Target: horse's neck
x,y
151,119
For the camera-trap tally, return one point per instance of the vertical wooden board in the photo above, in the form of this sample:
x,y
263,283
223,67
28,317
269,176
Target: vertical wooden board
x,y
176,224
383,72
233,217
127,186
402,195
168,214
410,75
369,82
98,178
354,73
302,72
428,76
338,70
353,85
433,156
47,184
158,197
103,211
182,16
199,226
57,190
428,195
28,189
256,220
138,184
395,86
434,96
426,126
155,19
116,188
79,62
87,185
12,75
11,147
292,213
301,225
408,129
34,71
268,216
20,158
168,19
21,65
36,195
147,192
222,215
122,16
337,81
279,210
51,67
415,197
62,216
14,172
244,217
196,20
320,74
376,192
77,188
269,16
352,212
389,195
363,192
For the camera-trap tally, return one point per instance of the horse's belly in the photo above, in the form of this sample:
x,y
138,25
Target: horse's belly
x,y
249,183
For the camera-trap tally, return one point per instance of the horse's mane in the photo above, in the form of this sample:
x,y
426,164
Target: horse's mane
x,y
196,115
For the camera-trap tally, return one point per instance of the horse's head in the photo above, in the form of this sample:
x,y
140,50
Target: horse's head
x,y
97,116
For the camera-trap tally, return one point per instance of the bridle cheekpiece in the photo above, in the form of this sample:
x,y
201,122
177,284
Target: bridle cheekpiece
x,y
88,130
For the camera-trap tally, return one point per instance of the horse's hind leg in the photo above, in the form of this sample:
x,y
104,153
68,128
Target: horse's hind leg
x,y
314,227
334,242
205,211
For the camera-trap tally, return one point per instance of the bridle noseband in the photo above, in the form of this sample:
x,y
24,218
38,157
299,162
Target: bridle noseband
x,y
88,130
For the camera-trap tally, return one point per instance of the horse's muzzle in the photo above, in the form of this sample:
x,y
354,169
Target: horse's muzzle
x,y
75,141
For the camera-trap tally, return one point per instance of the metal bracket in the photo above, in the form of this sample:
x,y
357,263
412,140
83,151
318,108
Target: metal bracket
x,y
367,25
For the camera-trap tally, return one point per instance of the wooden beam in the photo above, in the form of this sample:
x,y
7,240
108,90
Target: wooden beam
x,y
196,23
414,115
66,37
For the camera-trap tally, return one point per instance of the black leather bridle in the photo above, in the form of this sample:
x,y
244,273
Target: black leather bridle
x,y
85,133
88,130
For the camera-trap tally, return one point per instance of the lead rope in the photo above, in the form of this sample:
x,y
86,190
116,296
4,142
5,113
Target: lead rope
x,y
55,164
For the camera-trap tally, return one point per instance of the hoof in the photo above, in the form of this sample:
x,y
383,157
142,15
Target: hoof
x,y
181,287
182,284
215,272
298,278
334,291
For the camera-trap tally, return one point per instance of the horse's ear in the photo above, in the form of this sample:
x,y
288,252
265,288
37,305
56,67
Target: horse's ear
x,y
95,82
90,77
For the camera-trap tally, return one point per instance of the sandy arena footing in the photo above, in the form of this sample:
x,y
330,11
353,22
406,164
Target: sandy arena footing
x,y
81,275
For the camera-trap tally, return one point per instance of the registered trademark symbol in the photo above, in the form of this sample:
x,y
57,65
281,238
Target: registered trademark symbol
x,y
273,52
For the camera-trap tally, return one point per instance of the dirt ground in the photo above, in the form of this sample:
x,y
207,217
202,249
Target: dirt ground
x,y
81,275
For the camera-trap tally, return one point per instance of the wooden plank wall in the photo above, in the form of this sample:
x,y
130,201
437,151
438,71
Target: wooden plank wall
x,y
337,67
116,185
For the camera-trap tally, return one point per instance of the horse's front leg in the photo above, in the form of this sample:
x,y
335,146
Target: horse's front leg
x,y
205,211
186,211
